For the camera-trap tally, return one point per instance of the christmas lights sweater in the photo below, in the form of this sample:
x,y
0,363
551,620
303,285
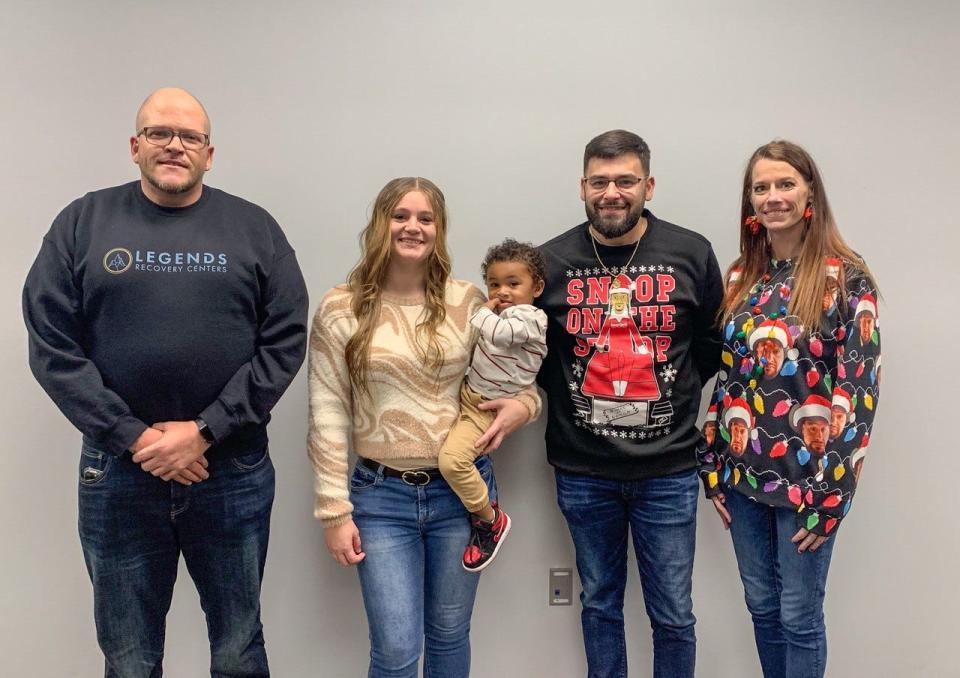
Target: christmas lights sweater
x,y
790,419
138,314
630,343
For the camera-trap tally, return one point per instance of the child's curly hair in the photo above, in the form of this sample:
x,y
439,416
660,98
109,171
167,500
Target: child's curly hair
x,y
522,252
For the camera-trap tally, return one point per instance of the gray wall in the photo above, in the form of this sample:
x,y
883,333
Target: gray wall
x,y
316,105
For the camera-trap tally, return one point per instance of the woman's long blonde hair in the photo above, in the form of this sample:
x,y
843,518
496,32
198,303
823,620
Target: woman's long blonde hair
x,y
821,238
367,278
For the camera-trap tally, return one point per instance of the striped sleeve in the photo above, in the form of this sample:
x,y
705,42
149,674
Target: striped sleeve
x,y
514,326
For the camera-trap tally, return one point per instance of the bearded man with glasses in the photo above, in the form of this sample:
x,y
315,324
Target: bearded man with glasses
x,y
632,303
165,319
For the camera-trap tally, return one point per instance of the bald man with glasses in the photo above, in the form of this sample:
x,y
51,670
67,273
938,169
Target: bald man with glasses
x,y
166,318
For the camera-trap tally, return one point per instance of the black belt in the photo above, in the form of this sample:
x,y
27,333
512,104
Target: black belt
x,y
420,476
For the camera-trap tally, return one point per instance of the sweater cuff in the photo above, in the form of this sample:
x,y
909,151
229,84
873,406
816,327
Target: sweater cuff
x,y
332,511
124,434
336,521
711,483
531,400
709,470
820,524
219,420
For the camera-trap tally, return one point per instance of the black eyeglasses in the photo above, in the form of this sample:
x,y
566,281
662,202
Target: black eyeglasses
x,y
162,136
626,182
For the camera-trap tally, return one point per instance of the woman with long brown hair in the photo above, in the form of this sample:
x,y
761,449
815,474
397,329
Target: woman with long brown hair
x,y
795,402
388,352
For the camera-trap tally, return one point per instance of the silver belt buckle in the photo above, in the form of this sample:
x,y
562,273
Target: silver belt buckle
x,y
415,477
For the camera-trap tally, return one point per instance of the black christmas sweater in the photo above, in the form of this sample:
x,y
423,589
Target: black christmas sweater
x,y
631,342
139,314
790,419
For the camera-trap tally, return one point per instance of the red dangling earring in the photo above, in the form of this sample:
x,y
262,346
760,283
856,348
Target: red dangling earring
x,y
754,223
808,213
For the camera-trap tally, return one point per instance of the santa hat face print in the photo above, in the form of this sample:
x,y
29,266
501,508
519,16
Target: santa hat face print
x,y
833,268
811,420
830,293
867,304
866,319
841,412
738,420
733,278
710,425
769,341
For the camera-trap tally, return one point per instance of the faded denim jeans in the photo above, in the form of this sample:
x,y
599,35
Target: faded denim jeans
x,y
417,596
783,589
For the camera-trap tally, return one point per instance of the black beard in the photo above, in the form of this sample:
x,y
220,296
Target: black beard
x,y
613,229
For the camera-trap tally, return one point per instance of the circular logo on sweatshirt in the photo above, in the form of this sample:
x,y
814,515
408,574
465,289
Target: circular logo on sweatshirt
x,y
117,260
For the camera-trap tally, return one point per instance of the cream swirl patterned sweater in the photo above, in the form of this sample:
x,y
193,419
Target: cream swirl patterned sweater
x,y
411,407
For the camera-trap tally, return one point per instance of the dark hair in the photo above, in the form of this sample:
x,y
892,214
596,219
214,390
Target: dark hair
x,y
522,252
615,143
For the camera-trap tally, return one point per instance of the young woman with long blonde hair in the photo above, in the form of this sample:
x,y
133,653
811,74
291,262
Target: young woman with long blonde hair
x,y
388,352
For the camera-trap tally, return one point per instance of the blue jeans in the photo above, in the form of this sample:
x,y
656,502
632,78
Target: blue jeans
x,y
662,515
783,589
133,528
417,596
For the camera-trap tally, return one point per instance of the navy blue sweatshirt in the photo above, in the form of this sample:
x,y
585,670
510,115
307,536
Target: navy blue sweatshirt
x,y
628,350
138,314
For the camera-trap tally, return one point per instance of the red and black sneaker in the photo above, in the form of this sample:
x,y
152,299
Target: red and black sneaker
x,y
485,540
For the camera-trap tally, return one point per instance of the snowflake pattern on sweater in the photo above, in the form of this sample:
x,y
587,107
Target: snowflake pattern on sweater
x,y
791,414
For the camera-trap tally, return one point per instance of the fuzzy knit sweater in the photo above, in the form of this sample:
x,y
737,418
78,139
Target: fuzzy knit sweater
x,y
411,407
